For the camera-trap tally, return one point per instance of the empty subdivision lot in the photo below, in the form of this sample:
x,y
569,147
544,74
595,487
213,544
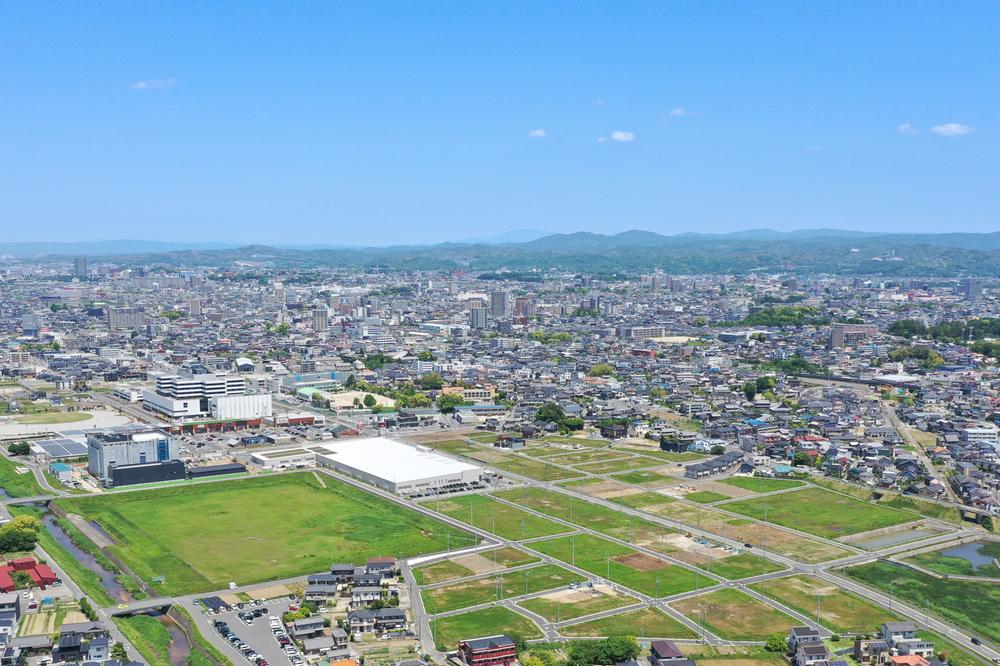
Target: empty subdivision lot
x,y
735,616
588,456
448,631
534,468
594,516
618,465
563,605
622,565
496,587
743,530
839,610
472,564
646,622
653,478
758,484
496,517
201,537
821,512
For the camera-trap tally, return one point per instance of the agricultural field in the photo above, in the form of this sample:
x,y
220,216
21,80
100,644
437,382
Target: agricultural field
x,y
942,563
621,565
448,631
974,605
533,468
647,622
563,605
759,484
821,512
497,587
495,517
840,611
472,564
733,615
743,530
596,517
199,537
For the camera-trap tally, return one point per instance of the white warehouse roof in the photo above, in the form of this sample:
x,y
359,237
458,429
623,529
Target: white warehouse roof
x,y
390,460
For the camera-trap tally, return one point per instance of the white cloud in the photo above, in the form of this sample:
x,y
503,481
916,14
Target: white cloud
x,y
153,84
601,139
622,136
681,112
953,129
907,128
538,133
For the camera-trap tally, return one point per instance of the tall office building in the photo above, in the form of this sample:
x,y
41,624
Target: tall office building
x,y
499,304
971,288
125,318
320,320
477,318
80,267
524,306
195,307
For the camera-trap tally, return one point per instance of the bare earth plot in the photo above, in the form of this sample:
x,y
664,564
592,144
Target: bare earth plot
x,y
494,588
472,564
570,604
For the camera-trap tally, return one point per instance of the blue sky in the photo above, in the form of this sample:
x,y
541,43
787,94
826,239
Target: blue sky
x,y
393,122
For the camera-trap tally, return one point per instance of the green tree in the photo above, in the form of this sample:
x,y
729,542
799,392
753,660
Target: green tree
x,y
351,381
550,412
987,523
19,449
776,642
449,401
431,381
370,401
118,652
750,389
22,580
601,370
425,356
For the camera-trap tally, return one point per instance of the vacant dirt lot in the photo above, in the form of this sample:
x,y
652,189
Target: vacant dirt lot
x,y
640,562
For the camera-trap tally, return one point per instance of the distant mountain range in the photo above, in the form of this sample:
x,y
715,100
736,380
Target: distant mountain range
x,y
832,251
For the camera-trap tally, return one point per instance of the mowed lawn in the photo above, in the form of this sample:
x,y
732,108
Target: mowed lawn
x,y
759,484
496,587
841,611
448,631
17,485
534,468
201,537
821,512
623,566
735,616
646,622
496,517
593,516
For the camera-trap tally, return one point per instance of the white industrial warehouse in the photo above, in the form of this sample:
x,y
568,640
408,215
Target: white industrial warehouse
x,y
388,464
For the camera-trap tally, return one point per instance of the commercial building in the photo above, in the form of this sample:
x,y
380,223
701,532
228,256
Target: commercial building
x,y
320,320
255,406
125,318
851,335
114,448
640,332
80,267
499,304
477,318
193,395
152,472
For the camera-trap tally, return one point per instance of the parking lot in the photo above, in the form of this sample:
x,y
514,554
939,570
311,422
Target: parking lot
x,y
258,635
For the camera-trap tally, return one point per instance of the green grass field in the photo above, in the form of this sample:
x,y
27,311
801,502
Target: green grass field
x,y
438,572
534,469
740,566
496,517
840,611
623,566
200,537
448,631
52,418
945,564
148,636
821,512
974,605
496,587
641,477
568,605
705,497
759,484
17,485
735,616
594,516
588,456
619,465
669,456
646,622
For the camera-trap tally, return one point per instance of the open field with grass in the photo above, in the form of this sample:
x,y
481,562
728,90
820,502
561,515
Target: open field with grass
x,y
594,516
624,566
953,565
563,605
821,512
733,615
743,530
647,622
534,468
733,656
669,456
643,477
53,418
588,456
17,485
148,636
200,537
496,517
974,605
448,631
497,587
456,447
471,564
743,565
619,465
487,437
582,441
840,611
705,497
759,484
